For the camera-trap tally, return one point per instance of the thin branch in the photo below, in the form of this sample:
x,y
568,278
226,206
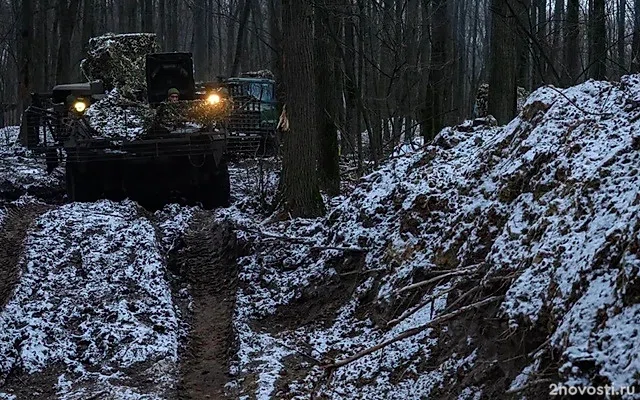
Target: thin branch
x,y
432,280
411,332
270,235
528,385
419,306
348,249
575,105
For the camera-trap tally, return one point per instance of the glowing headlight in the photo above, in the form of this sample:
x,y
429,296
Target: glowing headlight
x,y
79,106
213,99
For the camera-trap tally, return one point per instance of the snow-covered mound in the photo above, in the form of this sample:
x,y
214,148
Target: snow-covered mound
x,y
93,307
521,244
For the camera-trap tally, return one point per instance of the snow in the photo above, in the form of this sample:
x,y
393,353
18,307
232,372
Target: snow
x,y
547,205
550,199
21,171
93,297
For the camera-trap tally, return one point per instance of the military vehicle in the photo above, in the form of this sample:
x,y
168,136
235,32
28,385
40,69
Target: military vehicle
x,y
177,154
252,123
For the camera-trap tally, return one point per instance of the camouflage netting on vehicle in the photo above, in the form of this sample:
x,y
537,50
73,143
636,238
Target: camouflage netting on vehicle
x,y
199,112
119,60
118,117
263,73
481,106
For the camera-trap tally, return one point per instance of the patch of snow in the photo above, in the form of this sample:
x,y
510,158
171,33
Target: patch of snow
x,y
93,298
549,203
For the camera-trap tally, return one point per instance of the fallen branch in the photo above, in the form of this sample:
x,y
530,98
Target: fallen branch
x,y
300,240
411,332
463,296
303,354
427,300
528,385
350,249
533,353
270,235
432,280
366,271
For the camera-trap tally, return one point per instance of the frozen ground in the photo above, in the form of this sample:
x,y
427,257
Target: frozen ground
x,y
94,303
542,213
22,173
536,221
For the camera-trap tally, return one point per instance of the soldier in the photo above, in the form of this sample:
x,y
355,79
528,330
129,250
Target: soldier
x,y
173,95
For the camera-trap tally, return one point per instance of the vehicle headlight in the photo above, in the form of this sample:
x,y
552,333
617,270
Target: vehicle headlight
x,y
80,106
213,98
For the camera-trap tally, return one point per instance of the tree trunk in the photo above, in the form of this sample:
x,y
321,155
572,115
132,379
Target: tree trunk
x,y
439,88
240,41
299,182
502,84
621,37
597,40
425,58
572,43
200,40
460,103
162,24
635,50
220,48
276,38
523,63
40,48
230,37
558,36
67,13
147,16
411,72
122,16
371,86
132,15
172,25
350,133
541,75
88,23
24,40
327,110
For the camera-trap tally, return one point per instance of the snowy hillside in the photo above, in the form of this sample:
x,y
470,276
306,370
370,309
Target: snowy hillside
x,y
537,222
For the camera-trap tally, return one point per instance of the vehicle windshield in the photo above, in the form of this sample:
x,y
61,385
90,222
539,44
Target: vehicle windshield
x,y
261,91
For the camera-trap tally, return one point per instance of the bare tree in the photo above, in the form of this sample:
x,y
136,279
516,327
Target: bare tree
x,y
327,98
572,43
597,40
635,51
299,181
240,42
502,86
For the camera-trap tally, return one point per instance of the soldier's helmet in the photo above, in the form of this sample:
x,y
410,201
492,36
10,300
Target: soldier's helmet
x,y
173,94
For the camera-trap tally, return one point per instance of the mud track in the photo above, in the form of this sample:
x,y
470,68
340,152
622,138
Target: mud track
x,y
208,262
13,231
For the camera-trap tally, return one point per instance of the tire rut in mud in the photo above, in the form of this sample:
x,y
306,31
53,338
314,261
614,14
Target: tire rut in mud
x,y
13,230
208,262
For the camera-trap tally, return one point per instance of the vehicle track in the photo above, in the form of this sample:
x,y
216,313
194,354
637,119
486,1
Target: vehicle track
x,y
208,262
